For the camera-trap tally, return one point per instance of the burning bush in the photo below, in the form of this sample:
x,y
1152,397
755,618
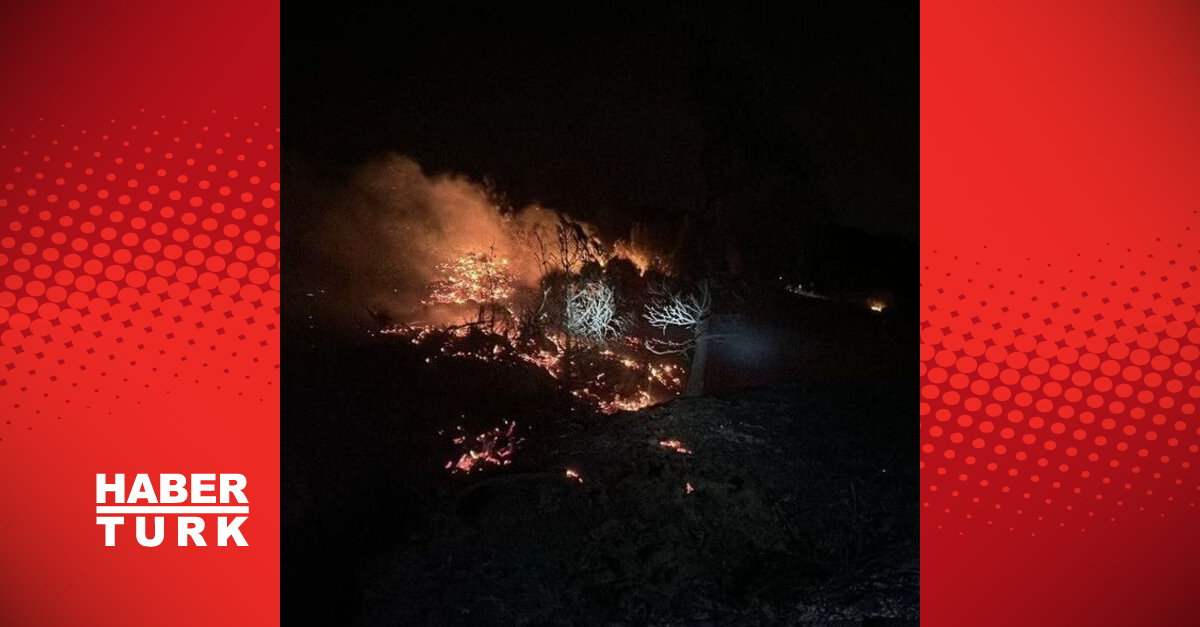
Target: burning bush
x,y
555,295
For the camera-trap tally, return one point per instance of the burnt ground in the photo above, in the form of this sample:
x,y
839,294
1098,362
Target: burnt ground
x,y
803,509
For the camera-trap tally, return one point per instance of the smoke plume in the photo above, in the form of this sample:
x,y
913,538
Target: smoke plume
x,y
393,225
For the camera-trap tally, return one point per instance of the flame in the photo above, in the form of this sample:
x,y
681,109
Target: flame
x,y
642,259
572,474
625,379
876,305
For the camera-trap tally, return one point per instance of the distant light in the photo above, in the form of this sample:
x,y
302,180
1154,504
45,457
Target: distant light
x,y
877,305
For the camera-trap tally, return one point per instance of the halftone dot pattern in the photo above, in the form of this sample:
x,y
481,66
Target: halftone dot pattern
x,y
137,255
1060,396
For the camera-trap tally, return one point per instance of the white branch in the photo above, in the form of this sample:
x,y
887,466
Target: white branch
x,y
591,311
673,309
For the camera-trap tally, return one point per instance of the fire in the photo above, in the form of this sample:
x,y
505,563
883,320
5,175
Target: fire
x,y
667,375
877,305
639,401
574,475
513,324
676,445
627,384
494,446
643,260
481,278
609,381
544,359
616,403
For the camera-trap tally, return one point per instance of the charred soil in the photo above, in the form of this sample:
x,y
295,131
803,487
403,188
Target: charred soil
x,y
794,503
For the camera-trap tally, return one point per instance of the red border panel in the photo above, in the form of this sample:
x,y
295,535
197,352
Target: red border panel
x,y
1060,282
139,320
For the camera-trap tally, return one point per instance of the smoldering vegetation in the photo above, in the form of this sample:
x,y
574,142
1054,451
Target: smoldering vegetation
x,y
441,469
377,238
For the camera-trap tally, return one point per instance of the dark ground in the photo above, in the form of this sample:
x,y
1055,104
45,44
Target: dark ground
x,y
804,509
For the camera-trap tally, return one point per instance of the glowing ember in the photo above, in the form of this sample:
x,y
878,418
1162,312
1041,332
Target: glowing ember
x,y
620,376
677,446
640,401
571,474
667,375
494,446
877,305
609,381
480,278
546,360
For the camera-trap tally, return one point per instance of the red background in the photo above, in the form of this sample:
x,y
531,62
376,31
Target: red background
x,y
1059,159
119,353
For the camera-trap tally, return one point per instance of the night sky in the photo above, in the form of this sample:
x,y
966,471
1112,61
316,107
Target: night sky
x,y
808,113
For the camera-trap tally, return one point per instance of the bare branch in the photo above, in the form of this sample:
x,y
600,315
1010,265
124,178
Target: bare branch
x,y
673,309
591,311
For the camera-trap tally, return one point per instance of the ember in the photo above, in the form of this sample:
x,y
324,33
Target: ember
x,y
615,379
481,278
551,293
677,446
494,446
